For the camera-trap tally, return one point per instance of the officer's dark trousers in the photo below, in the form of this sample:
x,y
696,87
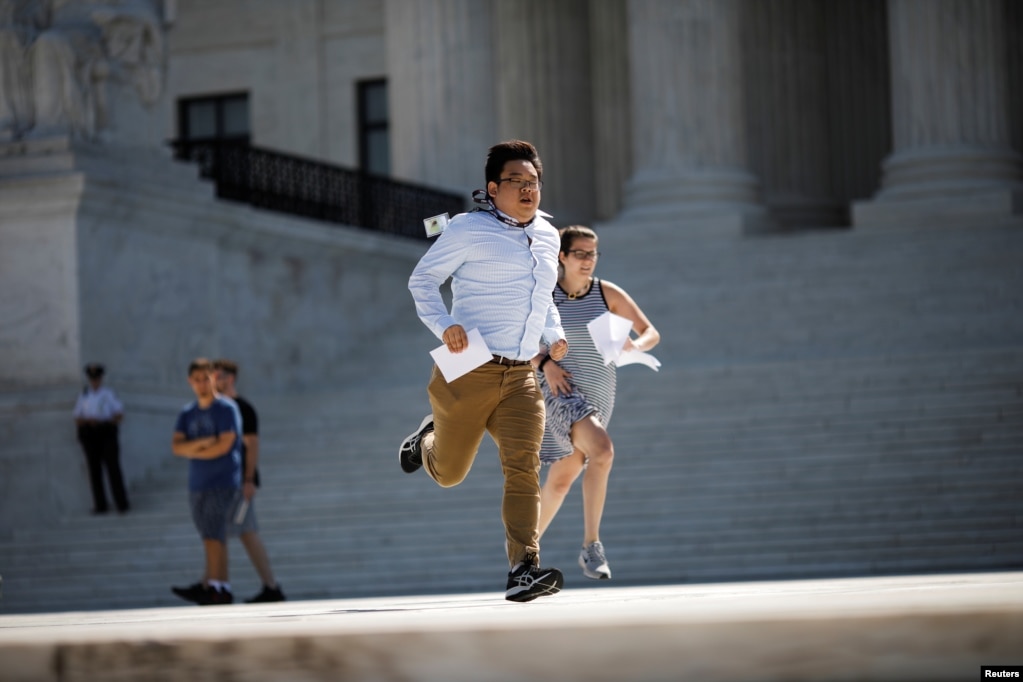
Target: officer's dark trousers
x,y
103,451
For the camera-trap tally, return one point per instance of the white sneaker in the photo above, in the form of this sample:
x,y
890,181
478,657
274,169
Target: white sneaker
x,y
593,561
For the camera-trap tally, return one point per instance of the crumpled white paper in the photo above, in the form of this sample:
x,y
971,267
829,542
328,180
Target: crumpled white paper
x,y
609,333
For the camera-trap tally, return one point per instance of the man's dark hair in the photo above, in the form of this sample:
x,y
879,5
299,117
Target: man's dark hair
x,y
200,364
511,150
225,365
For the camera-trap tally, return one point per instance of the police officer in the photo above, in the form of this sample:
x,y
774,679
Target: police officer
x,y
97,413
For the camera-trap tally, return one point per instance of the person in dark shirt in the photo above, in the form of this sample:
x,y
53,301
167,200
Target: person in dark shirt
x,y
248,528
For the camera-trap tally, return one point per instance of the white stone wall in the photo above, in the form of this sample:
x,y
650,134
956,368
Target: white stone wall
x,y
125,258
299,62
39,323
168,273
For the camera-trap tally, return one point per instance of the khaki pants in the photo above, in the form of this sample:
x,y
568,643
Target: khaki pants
x,y
507,403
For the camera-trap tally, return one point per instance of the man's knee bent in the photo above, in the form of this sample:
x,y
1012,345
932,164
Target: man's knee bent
x,y
446,478
449,481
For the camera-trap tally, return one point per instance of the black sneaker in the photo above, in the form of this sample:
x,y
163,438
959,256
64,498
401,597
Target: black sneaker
x,y
194,593
215,596
410,454
267,595
529,581
203,595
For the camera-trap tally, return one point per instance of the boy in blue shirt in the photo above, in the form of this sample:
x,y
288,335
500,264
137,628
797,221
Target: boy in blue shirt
x,y
208,434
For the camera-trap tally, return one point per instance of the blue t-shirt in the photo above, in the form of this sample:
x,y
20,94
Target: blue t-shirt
x,y
220,417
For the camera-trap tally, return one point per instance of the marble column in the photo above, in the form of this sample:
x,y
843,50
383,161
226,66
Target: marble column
x,y
787,114
609,75
298,53
688,128
1014,25
542,53
443,109
859,95
953,161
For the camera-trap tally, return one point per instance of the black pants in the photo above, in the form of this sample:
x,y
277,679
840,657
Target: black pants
x,y
103,451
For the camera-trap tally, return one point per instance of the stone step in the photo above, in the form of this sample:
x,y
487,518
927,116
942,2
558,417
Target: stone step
x,y
751,515
476,573
829,405
989,414
787,520
711,541
703,414
660,409
715,533
924,460
815,377
669,504
702,467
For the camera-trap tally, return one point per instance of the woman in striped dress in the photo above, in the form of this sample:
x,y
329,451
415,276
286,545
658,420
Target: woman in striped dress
x,y
579,392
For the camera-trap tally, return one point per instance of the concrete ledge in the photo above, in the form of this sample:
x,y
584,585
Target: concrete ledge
x,y
907,628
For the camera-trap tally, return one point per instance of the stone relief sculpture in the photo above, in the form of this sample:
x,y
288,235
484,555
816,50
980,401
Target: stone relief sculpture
x,y
60,56
20,23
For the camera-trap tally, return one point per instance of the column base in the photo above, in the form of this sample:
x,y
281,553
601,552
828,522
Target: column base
x,y
998,206
735,224
946,185
700,202
794,212
947,170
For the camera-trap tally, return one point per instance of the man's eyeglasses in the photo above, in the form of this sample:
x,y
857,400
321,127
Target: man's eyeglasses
x,y
520,184
584,255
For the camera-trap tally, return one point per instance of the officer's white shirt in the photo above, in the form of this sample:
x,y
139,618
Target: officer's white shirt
x,y
102,404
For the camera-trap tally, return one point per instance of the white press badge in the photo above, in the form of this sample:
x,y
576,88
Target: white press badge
x,y
436,224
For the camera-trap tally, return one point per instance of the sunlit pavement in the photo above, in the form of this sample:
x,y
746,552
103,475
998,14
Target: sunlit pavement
x,y
936,627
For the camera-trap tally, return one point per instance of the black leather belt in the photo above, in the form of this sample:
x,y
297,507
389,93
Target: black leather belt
x,y
510,363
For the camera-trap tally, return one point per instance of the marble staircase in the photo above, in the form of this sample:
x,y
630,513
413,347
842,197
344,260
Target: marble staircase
x,y
830,404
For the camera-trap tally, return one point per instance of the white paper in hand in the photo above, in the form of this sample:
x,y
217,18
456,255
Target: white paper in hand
x,y
454,365
633,357
609,333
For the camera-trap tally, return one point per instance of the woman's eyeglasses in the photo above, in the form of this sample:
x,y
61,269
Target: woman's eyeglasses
x,y
584,255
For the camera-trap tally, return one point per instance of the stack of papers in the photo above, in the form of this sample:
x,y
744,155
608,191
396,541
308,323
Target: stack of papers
x,y
609,333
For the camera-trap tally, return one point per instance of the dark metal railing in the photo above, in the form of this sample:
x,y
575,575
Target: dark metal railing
x,y
313,189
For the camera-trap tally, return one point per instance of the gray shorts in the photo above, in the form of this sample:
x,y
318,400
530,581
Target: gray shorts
x,y
248,522
211,511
